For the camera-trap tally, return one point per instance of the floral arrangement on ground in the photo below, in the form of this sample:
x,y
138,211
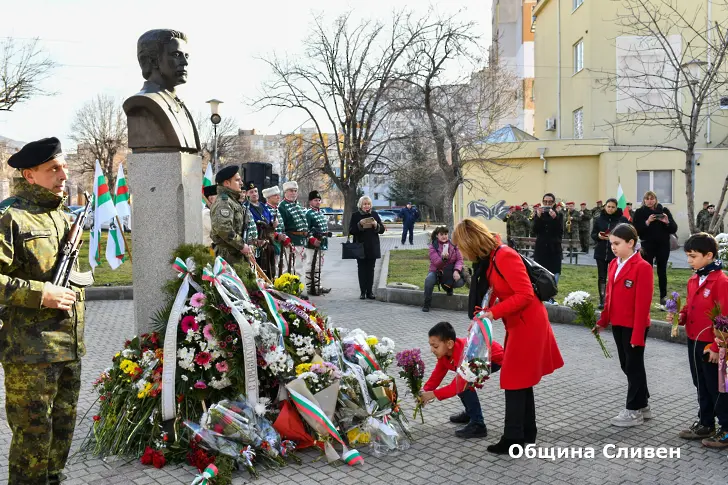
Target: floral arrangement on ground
x,y
239,373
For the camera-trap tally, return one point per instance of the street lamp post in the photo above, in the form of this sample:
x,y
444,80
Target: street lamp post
x,y
215,119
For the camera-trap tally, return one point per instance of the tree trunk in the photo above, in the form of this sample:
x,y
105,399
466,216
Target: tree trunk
x,y
689,184
350,200
449,192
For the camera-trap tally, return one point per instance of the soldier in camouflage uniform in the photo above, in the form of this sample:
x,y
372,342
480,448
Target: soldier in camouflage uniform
x,y
508,219
585,217
294,219
520,225
526,211
229,218
280,240
41,332
572,218
701,218
316,245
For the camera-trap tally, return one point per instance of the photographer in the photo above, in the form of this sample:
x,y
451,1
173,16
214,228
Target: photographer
x,y
654,224
548,227
446,265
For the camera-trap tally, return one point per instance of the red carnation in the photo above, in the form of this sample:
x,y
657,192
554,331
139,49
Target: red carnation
x,y
97,418
147,457
203,358
158,459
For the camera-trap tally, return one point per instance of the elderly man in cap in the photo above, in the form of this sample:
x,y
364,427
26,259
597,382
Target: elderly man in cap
x,y
585,217
317,243
294,219
41,325
232,223
210,194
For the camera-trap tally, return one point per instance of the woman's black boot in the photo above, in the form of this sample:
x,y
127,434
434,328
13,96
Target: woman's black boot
x,y
503,446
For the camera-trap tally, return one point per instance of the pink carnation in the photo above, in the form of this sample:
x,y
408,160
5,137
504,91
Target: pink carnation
x,y
200,385
222,366
207,332
197,300
189,323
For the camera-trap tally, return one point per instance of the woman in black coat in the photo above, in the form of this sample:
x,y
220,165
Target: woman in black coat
x,y
369,237
607,220
548,229
654,224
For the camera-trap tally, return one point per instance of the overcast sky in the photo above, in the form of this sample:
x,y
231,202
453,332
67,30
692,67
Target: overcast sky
x,y
95,44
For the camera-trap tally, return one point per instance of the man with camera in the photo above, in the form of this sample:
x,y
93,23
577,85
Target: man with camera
x,y
548,228
317,243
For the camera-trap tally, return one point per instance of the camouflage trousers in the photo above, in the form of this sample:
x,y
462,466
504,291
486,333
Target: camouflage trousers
x,y
585,237
231,255
41,404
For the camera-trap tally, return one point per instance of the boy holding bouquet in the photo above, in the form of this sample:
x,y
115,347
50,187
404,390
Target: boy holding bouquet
x,y
449,351
706,288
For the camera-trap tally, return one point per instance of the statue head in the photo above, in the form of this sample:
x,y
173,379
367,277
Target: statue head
x,y
162,55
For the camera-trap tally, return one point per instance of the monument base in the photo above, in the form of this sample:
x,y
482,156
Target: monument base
x,y
166,212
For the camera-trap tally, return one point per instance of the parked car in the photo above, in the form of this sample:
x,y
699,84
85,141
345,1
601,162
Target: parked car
x,y
387,216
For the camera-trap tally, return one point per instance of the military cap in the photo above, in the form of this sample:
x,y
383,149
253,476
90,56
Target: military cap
x,y
271,191
570,203
226,173
250,185
706,203
209,190
525,203
599,202
35,153
519,208
537,206
314,195
583,203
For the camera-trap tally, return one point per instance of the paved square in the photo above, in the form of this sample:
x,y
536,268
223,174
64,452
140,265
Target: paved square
x,y
573,405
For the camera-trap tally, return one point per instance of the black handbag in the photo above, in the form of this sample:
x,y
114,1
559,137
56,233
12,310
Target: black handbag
x,y
352,250
446,277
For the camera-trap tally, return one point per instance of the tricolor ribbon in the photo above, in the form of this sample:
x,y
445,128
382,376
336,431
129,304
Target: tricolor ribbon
x,y
280,322
312,411
362,354
185,270
298,301
204,477
233,292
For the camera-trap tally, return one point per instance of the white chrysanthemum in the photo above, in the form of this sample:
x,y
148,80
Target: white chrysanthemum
x,y
309,375
330,353
575,298
261,407
358,333
722,238
385,346
378,377
220,384
127,353
184,377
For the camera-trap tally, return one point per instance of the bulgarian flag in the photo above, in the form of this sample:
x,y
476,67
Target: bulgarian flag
x,y
104,211
115,247
622,203
207,180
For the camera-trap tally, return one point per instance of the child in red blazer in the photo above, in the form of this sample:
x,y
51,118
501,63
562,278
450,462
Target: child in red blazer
x,y
449,350
708,286
630,286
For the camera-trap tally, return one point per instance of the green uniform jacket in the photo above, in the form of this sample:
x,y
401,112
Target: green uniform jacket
x,y
32,229
294,220
319,225
227,217
585,220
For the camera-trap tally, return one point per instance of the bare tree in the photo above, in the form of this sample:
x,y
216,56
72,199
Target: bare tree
x,y
459,116
670,76
99,129
23,67
227,133
340,85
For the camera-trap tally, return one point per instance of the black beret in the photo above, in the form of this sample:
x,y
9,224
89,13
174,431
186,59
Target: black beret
x,y
249,185
209,190
226,173
314,195
35,153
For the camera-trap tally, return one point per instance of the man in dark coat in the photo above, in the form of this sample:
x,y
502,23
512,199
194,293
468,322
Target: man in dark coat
x,y
409,216
548,229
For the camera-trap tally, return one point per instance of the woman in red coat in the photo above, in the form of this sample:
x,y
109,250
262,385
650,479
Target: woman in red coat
x,y
630,286
530,347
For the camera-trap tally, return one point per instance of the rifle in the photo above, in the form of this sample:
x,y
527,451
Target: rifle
x,y
64,272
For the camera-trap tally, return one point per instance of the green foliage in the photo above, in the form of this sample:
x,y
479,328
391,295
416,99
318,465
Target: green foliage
x,y
225,466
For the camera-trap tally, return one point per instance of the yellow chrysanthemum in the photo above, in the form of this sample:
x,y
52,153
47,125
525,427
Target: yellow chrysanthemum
x,y
358,437
301,368
145,392
372,341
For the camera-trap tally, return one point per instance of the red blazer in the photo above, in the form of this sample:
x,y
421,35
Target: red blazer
x,y
700,301
445,364
628,299
530,346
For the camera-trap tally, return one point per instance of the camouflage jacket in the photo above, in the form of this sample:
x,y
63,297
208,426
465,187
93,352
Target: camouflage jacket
x,y
227,218
294,218
585,220
318,224
32,229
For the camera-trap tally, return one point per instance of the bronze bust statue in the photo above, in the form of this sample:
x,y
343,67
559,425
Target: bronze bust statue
x,y
157,119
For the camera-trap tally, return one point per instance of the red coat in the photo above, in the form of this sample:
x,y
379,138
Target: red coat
x,y
628,299
530,347
700,301
445,364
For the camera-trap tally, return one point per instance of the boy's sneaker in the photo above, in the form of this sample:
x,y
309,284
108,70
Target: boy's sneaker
x,y
628,418
646,412
472,430
696,432
460,418
719,440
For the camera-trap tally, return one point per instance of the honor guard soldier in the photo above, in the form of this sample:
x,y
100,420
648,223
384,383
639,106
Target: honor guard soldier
x,y
42,326
230,220
585,217
526,211
281,241
572,217
210,193
318,242
294,219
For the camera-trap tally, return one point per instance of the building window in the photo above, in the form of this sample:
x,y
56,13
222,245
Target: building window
x,y
376,195
579,56
579,124
658,181
577,3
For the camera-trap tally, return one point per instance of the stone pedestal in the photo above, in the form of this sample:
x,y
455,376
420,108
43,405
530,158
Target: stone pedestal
x,y
166,212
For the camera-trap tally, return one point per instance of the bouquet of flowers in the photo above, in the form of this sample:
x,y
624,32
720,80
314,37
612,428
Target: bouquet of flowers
x,y
383,350
318,376
673,306
289,283
413,371
474,368
475,371
720,327
583,307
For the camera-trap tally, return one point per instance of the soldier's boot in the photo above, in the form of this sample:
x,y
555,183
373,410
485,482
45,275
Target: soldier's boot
x,y
602,294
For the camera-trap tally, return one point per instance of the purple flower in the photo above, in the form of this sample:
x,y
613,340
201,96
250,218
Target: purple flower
x,y
721,323
671,306
675,295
